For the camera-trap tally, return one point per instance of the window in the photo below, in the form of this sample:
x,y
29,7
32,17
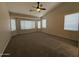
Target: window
x,y
71,22
27,24
39,24
13,24
44,23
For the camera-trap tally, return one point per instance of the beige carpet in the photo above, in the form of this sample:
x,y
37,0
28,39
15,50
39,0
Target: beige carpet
x,y
40,45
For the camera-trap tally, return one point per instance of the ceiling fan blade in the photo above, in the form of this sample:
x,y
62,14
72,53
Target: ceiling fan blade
x,y
34,7
41,5
31,10
43,8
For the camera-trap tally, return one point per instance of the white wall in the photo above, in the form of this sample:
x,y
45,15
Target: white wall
x,y
4,27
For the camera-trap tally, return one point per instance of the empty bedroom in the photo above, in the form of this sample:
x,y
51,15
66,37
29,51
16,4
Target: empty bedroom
x,y
39,29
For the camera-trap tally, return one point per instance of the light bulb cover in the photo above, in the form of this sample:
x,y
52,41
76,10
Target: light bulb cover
x,y
38,9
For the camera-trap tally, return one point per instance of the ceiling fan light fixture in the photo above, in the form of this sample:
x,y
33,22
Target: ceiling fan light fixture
x,y
38,9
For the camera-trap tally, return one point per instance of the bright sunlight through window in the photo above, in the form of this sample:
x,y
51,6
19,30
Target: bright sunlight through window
x,y
13,24
27,24
44,23
39,24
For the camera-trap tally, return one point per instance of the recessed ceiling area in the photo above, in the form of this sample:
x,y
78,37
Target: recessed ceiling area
x,y
25,7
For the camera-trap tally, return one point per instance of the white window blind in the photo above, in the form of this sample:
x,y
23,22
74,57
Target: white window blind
x,y
27,24
13,24
44,25
39,24
71,22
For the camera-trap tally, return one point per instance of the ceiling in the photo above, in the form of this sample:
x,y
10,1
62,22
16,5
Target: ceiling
x,y
24,7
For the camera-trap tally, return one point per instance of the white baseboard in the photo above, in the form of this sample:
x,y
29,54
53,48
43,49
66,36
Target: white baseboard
x,y
4,47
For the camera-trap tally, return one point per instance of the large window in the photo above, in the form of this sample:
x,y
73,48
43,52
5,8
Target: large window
x,y
44,24
39,24
71,22
13,24
25,24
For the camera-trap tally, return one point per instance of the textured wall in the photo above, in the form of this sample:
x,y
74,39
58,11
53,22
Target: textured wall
x,y
4,27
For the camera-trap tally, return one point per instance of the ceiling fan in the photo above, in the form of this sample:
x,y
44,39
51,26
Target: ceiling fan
x,y
38,7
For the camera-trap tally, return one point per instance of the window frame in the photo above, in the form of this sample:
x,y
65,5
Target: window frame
x,y
26,20
71,19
